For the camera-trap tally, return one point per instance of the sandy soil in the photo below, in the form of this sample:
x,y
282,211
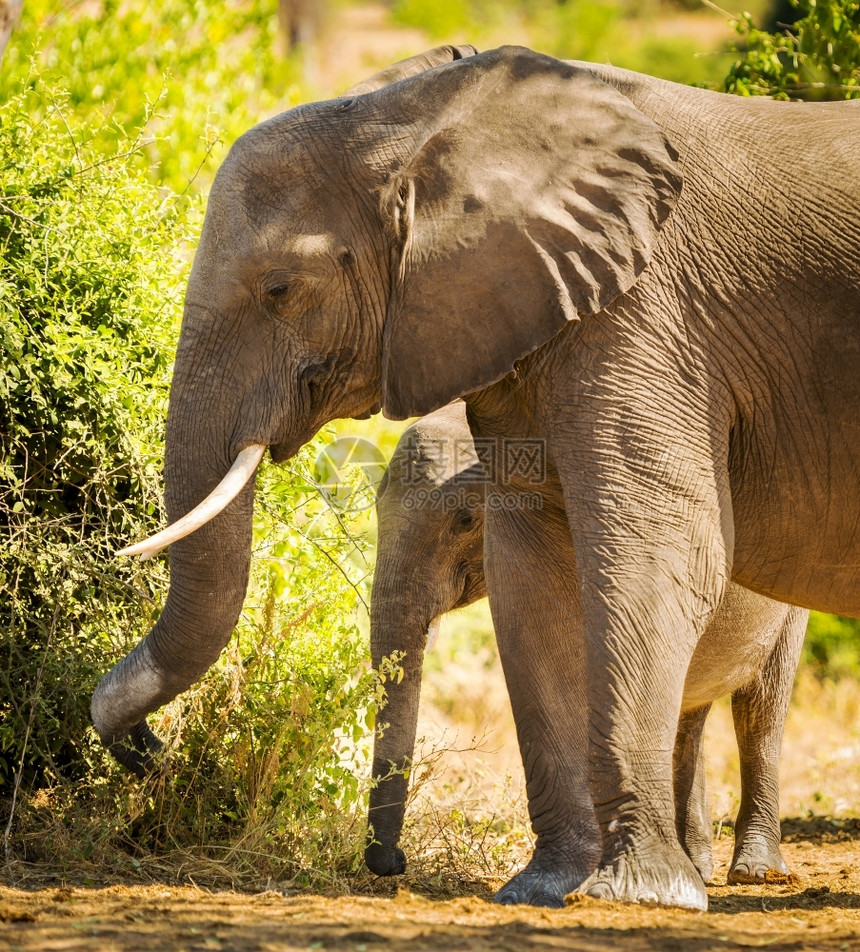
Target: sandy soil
x,y
817,908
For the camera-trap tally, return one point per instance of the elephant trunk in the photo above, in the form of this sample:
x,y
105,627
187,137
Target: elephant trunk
x,y
208,580
400,617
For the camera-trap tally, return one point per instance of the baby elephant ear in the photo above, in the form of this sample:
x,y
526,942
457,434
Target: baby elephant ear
x,y
534,196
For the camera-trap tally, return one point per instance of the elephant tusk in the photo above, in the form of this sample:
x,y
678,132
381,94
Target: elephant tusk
x,y
243,468
433,633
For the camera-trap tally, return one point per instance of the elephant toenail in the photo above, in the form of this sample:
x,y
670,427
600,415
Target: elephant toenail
x,y
601,891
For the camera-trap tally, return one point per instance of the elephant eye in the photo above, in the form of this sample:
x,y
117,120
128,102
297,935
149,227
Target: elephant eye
x,y
283,293
464,519
278,290
404,209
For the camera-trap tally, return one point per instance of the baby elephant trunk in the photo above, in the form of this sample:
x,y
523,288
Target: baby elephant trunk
x,y
396,626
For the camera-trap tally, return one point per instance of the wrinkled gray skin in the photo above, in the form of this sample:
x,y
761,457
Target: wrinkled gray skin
x,y
430,552
638,274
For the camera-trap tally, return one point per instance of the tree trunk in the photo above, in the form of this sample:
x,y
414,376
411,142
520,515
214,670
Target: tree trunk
x,y
10,11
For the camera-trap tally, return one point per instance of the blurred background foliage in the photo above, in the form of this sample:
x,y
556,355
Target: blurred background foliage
x,y
814,54
678,41
113,118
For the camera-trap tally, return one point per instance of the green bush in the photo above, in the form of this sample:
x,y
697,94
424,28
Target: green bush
x,y
817,59
268,752
832,647
88,298
212,72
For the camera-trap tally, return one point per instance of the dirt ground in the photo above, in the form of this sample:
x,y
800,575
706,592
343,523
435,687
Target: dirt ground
x,y
818,908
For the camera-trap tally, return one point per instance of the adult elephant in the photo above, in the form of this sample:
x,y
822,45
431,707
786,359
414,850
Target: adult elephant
x,y
430,559
629,272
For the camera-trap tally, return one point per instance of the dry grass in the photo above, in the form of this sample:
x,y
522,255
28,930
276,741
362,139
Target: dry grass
x,y
820,770
467,827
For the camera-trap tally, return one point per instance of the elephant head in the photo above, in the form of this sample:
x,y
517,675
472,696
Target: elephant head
x,y
430,559
402,247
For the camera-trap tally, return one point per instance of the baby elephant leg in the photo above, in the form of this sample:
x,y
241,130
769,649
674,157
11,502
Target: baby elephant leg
x,y
759,710
692,815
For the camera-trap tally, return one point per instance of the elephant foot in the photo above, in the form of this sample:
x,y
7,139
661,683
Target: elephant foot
x,y
753,860
138,750
541,884
385,860
650,877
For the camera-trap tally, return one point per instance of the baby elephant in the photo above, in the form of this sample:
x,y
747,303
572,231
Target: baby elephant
x,y
430,559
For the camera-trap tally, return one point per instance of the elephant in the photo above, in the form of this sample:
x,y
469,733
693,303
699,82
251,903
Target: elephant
x,y
632,278
430,558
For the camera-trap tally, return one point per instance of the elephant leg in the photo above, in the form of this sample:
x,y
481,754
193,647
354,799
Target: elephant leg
x,y
635,684
531,577
692,818
649,522
759,710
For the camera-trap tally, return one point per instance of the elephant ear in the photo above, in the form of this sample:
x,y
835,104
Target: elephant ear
x,y
535,195
411,67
